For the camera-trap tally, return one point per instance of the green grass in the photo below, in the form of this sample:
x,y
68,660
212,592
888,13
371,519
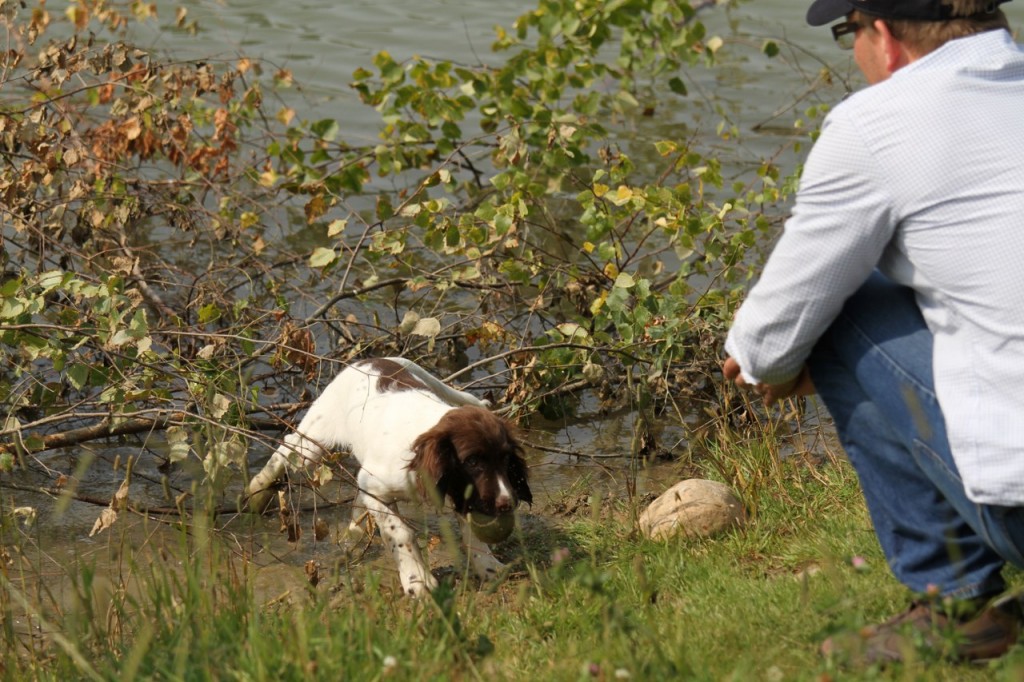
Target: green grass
x,y
592,600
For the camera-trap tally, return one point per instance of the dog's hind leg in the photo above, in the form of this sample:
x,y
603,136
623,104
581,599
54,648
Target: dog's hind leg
x,y
318,430
296,452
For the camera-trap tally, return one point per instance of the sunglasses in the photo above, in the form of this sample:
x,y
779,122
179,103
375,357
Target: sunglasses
x,y
845,33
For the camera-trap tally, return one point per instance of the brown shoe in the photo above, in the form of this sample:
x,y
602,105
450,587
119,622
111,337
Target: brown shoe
x,y
961,631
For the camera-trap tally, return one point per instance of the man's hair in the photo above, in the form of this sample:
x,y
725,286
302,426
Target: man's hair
x,y
969,17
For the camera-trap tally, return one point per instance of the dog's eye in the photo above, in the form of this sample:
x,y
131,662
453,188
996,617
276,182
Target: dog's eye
x,y
475,462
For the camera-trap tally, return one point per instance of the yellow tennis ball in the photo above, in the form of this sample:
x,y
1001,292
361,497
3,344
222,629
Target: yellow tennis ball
x,y
491,529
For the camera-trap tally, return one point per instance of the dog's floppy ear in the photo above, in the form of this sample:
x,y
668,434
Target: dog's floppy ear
x,y
518,475
434,459
518,472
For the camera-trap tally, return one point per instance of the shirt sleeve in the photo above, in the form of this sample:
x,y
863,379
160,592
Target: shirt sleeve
x,y
842,222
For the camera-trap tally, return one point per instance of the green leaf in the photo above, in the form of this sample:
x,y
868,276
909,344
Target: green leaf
x,y
336,227
10,287
627,99
618,299
326,129
177,442
78,375
624,281
209,313
427,326
50,280
11,308
138,328
322,257
573,331
120,338
409,322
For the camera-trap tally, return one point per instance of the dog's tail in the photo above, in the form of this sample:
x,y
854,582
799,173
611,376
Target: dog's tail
x,y
446,392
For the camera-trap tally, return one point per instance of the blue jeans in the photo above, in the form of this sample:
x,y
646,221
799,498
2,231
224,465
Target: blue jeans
x,y
873,369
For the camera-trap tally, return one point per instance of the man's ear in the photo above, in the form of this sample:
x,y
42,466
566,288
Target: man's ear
x,y
895,52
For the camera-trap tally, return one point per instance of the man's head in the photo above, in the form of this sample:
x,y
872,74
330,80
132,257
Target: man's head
x,y
824,12
892,33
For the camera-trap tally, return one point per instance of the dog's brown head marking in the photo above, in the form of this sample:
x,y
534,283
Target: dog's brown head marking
x,y
473,457
393,376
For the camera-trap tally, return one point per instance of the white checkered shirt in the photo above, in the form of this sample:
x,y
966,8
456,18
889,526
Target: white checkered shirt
x,y
921,176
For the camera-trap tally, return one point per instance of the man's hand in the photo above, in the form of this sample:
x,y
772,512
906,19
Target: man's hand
x,y
801,384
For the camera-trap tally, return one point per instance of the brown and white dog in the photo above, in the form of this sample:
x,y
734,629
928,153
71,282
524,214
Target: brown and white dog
x,y
412,436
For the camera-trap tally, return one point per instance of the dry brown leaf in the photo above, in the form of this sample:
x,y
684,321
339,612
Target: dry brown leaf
x,y
120,501
106,519
289,519
321,531
313,572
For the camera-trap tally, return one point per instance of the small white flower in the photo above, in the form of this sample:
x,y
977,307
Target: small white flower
x,y
622,674
390,662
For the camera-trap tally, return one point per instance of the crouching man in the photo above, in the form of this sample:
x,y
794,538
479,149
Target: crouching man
x,y
897,294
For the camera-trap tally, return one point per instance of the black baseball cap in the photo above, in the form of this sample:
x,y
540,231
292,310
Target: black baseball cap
x,y
823,12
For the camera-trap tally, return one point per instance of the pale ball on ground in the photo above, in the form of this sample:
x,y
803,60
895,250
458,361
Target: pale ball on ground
x,y
692,508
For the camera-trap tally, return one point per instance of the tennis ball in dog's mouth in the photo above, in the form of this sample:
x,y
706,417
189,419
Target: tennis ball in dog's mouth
x,y
491,529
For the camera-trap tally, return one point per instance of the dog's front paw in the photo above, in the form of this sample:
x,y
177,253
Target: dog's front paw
x,y
485,566
418,585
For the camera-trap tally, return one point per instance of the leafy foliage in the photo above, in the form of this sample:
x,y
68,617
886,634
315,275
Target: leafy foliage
x,y
180,245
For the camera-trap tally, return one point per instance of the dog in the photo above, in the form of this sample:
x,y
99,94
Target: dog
x,y
414,438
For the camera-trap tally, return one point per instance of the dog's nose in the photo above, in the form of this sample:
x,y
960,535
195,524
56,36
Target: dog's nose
x,y
505,501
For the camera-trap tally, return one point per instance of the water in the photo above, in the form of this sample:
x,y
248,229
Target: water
x,y
322,43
